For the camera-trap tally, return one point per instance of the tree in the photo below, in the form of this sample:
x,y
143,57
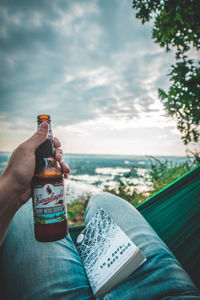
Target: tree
x,y
177,26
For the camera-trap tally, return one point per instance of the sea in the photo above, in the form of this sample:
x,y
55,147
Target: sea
x,y
92,173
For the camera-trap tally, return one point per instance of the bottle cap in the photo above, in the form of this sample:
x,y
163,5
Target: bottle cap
x,y
43,118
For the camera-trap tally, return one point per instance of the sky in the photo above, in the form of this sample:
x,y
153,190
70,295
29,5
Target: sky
x,y
94,68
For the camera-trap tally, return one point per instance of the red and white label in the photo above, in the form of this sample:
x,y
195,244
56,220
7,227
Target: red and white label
x,y
49,203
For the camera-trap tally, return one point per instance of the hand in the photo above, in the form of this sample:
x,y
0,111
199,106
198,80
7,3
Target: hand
x,y
58,157
20,169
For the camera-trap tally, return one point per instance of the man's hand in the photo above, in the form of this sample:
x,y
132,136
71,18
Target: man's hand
x,y
15,181
20,169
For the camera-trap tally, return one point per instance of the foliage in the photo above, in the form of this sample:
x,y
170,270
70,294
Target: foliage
x,y
128,192
176,22
161,174
196,156
177,26
76,210
183,99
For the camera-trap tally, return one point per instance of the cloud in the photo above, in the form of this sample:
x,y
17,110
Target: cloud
x,y
106,136
81,62
58,53
39,48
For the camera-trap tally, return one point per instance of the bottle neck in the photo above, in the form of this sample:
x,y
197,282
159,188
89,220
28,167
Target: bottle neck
x,y
50,133
46,149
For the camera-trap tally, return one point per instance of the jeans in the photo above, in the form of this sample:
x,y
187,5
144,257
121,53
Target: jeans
x,y
35,270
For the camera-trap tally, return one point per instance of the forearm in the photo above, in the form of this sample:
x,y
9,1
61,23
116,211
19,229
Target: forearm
x,y
8,204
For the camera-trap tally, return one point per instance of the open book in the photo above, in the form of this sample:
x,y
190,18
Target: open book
x,y
107,253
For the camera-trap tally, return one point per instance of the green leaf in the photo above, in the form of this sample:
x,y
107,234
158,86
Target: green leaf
x,y
69,213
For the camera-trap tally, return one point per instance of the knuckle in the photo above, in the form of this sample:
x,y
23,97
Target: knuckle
x,y
21,148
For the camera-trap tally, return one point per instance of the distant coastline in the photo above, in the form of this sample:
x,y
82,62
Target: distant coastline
x,y
119,155
92,173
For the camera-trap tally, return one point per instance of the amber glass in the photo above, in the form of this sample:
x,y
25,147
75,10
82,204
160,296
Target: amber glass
x,y
48,171
46,149
43,118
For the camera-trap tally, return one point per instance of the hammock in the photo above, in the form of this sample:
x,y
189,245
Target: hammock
x,y
174,213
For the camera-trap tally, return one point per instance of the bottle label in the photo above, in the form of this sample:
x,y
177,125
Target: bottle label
x,y
49,203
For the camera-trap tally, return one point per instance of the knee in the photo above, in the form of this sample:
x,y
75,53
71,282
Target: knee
x,y
102,199
105,199
101,196
108,202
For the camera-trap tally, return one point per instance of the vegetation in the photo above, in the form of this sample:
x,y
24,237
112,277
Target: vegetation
x,y
177,26
76,210
159,176
162,174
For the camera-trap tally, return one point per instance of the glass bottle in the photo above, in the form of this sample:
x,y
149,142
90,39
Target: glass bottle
x,y
48,191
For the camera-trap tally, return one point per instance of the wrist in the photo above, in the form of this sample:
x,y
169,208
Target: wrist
x,y
10,193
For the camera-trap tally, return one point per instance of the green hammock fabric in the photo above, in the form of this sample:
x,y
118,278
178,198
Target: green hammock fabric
x,y
174,213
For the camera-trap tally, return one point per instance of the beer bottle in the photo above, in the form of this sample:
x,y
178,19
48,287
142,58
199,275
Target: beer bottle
x,y
48,193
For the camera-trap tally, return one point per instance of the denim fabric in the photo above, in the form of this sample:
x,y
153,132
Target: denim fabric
x,y
34,270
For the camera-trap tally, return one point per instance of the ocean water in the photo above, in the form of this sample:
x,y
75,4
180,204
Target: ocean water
x,y
90,174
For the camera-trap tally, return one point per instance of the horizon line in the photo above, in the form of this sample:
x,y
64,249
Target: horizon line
x,y
117,154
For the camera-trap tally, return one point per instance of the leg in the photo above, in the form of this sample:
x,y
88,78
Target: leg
x,y
161,275
35,270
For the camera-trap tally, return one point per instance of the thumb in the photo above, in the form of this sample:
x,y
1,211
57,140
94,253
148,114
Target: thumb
x,y
39,136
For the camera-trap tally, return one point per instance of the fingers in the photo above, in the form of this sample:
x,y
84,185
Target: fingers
x,y
39,136
58,151
59,156
57,143
65,168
